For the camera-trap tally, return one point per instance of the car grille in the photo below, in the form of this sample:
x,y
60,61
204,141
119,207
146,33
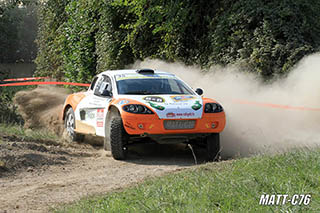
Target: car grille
x,y
179,124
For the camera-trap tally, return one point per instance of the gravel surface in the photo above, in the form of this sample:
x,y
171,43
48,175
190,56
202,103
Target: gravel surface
x,y
38,175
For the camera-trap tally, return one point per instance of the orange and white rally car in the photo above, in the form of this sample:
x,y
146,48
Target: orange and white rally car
x,y
127,106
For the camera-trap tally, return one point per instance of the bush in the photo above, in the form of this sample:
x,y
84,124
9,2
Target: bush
x,y
267,36
8,111
79,57
79,39
111,49
18,31
51,18
157,29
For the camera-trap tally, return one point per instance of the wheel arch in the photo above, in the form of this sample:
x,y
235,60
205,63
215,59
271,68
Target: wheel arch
x,y
112,110
65,109
72,101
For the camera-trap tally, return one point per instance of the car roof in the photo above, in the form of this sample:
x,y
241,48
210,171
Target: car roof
x,y
131,71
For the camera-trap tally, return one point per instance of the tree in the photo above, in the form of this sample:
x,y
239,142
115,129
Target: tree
x,y
78,39
18,31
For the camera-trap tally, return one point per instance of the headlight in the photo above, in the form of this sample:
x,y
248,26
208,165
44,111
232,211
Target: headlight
x,y
213,108
137,109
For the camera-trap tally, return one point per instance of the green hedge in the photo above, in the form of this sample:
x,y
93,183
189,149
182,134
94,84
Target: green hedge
x,y
8,111
78,39
268,36
51,18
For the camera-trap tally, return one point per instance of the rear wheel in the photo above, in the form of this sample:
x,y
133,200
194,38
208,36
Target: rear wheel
x,y
116,137
70,125
213,147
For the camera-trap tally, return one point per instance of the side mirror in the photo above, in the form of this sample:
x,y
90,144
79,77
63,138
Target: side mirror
x,y
103,90
199,91
106,93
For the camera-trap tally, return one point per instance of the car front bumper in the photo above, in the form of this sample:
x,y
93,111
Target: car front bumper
x,y
139,124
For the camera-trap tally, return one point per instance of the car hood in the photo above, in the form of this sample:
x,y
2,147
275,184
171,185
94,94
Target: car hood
x,y
170,106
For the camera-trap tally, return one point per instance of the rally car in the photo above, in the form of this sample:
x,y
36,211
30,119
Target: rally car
x,y
130,106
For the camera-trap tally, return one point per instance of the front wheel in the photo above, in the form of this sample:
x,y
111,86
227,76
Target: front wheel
x,y
70,125
213,147
116,138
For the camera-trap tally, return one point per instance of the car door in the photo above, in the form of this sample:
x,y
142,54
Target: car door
x,y
92,109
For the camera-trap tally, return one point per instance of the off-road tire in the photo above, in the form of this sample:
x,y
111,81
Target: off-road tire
x,y
213,147
107,127
70,126
106,144
117,139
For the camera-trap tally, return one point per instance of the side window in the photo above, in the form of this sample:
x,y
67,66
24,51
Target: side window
x,y
93,83
104,87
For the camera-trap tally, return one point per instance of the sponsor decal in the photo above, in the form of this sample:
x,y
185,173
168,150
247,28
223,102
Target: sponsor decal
x,y
94,104
156,106
186,114
178,98
122,102
177,104
120,77
154,99
99,123
100,114
196,105
94,101
171,115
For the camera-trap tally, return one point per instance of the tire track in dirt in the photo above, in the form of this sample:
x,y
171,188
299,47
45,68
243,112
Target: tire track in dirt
x,y
43,189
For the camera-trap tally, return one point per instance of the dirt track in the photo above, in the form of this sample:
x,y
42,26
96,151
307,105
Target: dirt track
x,y
77,171
38,175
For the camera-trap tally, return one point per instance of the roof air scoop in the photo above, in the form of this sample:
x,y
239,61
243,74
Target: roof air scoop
x,y
145,71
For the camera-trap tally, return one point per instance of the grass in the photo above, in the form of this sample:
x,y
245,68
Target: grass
x,y
27,134
231,186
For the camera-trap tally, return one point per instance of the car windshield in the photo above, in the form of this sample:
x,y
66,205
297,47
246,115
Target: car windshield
x,y
152,86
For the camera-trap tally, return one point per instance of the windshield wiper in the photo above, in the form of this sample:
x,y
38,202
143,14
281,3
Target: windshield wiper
x,y
139,92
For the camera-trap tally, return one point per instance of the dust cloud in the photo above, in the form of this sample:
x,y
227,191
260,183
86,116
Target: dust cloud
x,y
250,129
41,107
253,129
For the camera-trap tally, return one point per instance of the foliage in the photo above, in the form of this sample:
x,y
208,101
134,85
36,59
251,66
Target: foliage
x,y
112,52
268,36
8,111
18,31
66,39
52,17
78,39
79,58
171,30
